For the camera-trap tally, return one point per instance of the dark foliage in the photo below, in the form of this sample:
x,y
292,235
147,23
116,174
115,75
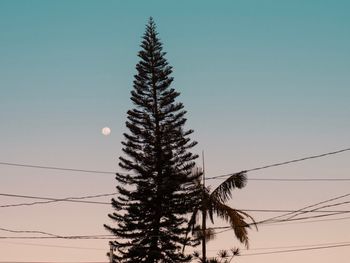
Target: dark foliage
x,y
224,256
214,203
154,200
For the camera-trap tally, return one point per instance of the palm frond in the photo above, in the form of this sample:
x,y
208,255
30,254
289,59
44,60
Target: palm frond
x,y
209,234
250,217
224,191
236,218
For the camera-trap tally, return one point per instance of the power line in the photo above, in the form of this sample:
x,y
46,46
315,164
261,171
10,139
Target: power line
x,y
29,231
306,217
308,221
299,246
316,209
293,246
283,163
270,221
53,200
291,218
292,211
273,220
306,207
265,221
53,262
54,246
228,228
285,221
50,235
209,178
296,250
312,247
99,236
298,179
109,237
225,228
78,200
56,168
259,248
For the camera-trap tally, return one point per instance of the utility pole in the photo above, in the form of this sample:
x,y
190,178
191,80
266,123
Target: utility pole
x,y
204,217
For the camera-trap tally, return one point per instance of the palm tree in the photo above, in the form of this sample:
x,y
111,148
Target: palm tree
x,y
214,203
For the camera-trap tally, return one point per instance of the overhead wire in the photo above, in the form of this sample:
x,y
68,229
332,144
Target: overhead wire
x,y
299,246
29,232
288,222
99,236
282,163
306,207
53,246
56,168
53,200
308,221
309,248
273,220
79,200
296,250
208,178
302,210
229,228
292,246
109,237
290,211
250,249
307,217
298,179
317,209
214,177
53,262
49,235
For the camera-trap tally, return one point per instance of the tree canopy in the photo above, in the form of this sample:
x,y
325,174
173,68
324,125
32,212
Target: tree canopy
x,y
158,190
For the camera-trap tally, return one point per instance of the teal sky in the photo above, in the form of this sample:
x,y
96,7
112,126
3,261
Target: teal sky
x,y
262,81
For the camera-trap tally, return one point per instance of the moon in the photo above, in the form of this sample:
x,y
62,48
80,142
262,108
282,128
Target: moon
x,y
106,131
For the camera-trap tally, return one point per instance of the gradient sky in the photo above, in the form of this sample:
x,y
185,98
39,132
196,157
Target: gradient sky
x,y
262,81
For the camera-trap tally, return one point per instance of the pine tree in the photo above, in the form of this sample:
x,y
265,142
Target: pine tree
x,y
155,198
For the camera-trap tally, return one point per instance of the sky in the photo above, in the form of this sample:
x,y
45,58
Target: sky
x,y
262,82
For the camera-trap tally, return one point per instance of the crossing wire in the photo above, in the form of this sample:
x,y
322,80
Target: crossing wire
x,y
295,250
56,168
282,163
53,200
209,178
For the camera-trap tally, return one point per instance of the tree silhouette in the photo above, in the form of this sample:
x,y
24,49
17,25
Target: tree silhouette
x,y
214,203
155,199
